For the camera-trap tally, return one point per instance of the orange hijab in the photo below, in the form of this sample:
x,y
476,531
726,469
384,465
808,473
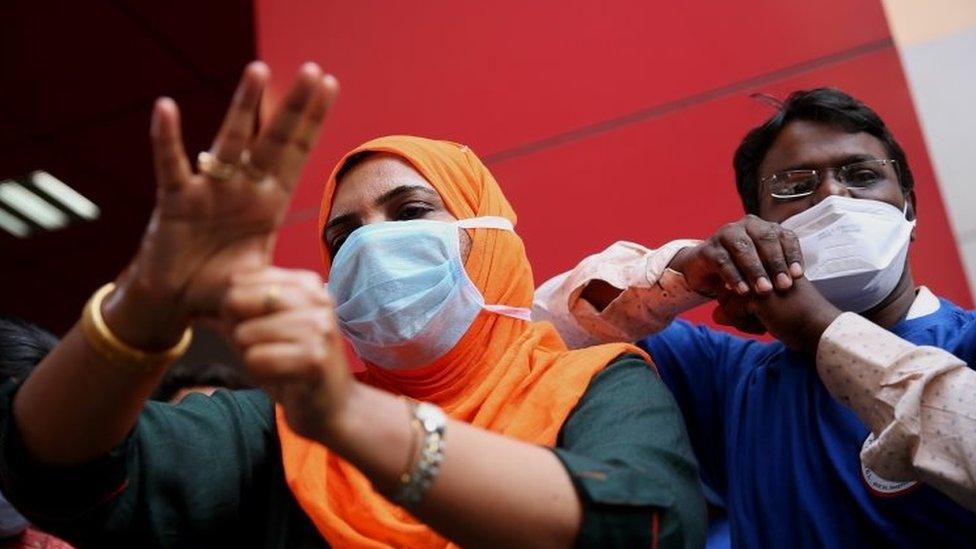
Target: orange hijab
x,y
505,375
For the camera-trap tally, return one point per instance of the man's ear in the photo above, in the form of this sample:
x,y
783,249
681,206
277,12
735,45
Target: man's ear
x,y
911,213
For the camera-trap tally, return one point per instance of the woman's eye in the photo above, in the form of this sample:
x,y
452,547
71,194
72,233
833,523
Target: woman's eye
x,y
336,244
409,212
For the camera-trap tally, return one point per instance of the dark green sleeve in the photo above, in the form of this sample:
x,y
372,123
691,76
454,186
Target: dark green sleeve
x,y
194,474
627,451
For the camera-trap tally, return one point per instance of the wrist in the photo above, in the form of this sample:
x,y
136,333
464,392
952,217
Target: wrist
x,y
373,433
818,321
680,259
143,318
347,421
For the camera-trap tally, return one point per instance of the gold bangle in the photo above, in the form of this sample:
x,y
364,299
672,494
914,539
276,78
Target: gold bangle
x,y
418,435
413,487
114,350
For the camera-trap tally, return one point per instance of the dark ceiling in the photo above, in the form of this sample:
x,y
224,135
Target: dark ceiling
x,y
78,82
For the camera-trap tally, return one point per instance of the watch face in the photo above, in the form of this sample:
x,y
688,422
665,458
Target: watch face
x,y
431,417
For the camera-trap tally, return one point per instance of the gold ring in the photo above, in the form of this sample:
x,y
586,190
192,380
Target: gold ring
x,y
252,171
215,168
272,298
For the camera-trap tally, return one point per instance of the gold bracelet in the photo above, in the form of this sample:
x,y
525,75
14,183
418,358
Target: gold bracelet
x,y
114,350
414,486
418,435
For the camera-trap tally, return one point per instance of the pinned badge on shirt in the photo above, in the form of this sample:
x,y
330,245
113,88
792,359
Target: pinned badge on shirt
x,y
880,486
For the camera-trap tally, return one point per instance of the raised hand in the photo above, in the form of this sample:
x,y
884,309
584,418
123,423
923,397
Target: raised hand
x,y
750,254
210,224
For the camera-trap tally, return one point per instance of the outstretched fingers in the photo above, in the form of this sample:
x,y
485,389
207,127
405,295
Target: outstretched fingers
x,y
169,158
237,129
296,155
281,131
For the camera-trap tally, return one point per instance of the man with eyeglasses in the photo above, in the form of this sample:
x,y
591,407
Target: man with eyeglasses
x,y
857,427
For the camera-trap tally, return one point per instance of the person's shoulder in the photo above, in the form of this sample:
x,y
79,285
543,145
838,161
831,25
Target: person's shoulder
x,y
947,316
964,315
627,362
626,402
627,379
250,398
956,327
942,324
247,405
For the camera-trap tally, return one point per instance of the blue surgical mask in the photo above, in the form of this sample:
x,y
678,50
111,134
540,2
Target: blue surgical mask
x,y
402,295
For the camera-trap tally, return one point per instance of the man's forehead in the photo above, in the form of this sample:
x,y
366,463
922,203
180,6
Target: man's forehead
x,y
805,144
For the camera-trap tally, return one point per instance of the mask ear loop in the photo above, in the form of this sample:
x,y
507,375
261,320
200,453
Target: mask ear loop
x,y
502,223
508,310
486,222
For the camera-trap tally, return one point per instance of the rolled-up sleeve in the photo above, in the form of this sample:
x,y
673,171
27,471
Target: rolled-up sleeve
x,y
651,295
628,454
919,401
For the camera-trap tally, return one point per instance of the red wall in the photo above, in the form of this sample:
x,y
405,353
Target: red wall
x,y
601,120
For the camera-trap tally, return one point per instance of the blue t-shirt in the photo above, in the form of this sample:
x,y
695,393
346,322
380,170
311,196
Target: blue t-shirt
x,y
784,454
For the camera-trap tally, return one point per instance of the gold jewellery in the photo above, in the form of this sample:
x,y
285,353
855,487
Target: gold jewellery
x,y
114,350
271,298
250,170
429,425
213,167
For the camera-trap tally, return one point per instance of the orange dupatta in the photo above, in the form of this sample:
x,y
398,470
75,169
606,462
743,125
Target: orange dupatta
x,y
505,375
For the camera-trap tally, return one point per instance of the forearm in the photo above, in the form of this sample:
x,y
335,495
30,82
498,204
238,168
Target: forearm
x,y
491,490
624,293
918,401
76,406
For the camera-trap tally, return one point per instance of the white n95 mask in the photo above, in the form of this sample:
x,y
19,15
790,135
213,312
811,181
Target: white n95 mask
x,y
854,249
402,295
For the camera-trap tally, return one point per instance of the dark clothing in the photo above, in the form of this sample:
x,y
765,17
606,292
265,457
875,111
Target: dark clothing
x,y
208,472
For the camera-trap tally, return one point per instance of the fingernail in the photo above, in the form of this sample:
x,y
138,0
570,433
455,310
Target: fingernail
x,y
310,67
783,281
796,269
763,285
742,288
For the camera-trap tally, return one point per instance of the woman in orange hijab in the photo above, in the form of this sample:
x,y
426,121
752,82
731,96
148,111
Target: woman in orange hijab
x,y
470,424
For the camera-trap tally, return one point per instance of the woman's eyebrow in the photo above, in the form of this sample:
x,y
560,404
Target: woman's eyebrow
x,y
382,200
394,193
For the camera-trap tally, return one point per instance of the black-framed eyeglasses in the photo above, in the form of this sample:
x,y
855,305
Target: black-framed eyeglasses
x,y
862,175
